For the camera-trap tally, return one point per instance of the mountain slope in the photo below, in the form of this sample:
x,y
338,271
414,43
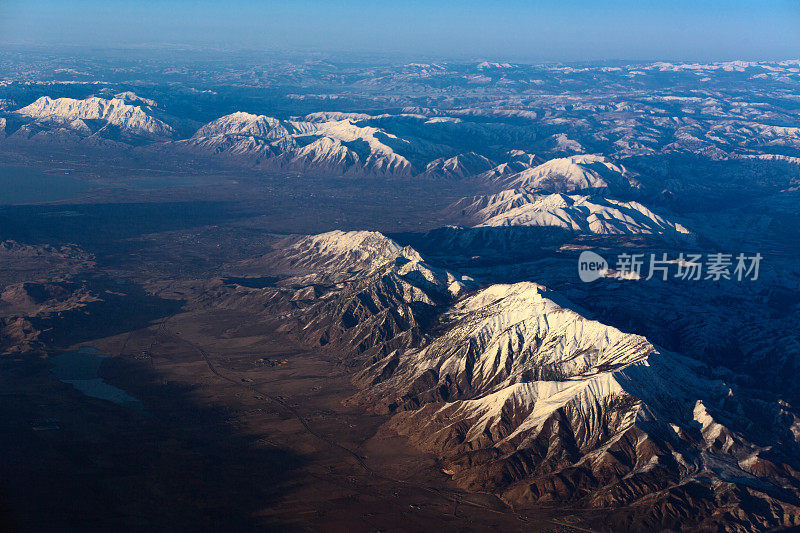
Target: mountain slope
x,y
458,166
376,157
359,291
578,213
524,396
588,214
517,161
573,173
242,134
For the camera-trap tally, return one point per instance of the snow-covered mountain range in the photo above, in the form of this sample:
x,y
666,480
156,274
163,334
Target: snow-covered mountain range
x,y
94,116
453,143
663,404
520,392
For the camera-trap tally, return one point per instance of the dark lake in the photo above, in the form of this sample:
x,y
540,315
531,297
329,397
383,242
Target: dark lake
x,y
79,369
27,185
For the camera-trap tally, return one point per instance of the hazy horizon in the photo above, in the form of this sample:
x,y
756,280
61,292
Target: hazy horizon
x,y
522,31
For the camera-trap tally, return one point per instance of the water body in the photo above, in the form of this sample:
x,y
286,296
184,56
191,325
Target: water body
x,y
26,185
79,368
30,185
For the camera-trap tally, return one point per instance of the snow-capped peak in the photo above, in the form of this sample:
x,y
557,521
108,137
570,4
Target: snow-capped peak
x,y
574,173
241,123
593,214
348,250
130,96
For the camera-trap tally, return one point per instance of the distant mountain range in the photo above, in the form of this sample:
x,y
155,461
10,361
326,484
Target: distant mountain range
x,y
446,144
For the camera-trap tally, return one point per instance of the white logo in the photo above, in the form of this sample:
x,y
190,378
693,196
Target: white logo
x,y
591,266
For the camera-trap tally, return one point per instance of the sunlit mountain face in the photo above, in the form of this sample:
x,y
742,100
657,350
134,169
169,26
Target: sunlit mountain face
x,y
256,291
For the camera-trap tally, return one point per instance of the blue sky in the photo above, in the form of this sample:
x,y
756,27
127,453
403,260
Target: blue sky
x,y
532,30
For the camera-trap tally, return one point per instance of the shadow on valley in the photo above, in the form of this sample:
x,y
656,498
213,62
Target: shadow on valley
x,y
97,225
455,247
100,467
96,307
